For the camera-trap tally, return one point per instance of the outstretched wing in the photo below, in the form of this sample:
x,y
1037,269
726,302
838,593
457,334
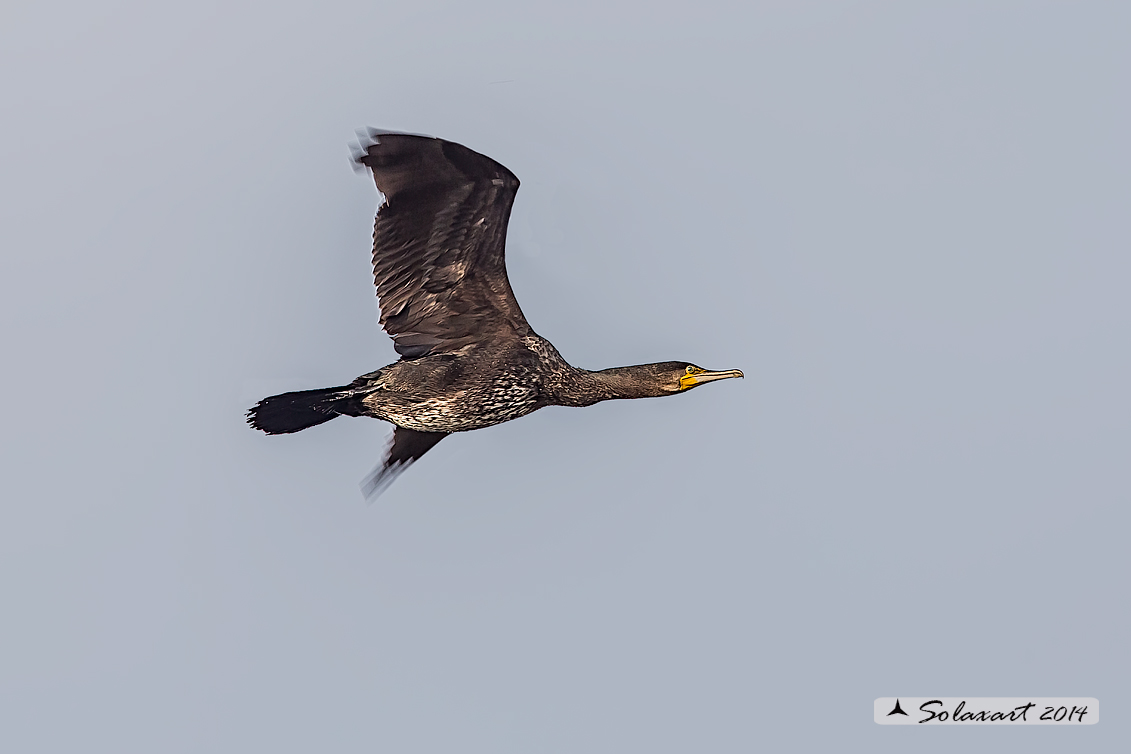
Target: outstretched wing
x,y
438,244
406,446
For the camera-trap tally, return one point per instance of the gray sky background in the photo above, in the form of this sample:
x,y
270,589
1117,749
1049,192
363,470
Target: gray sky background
x,y
907,222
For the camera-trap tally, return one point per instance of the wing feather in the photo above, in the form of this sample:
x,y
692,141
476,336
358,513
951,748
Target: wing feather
x,y
439,244
405,447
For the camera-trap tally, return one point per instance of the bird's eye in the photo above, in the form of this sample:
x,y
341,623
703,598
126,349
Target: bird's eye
x,y
690,370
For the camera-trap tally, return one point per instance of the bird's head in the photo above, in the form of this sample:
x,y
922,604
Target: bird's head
x,y
680,376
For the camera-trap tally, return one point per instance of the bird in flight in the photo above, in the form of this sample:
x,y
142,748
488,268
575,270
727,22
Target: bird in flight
x,y
468,357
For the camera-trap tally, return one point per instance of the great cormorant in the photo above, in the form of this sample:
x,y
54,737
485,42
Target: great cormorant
x,y
468,357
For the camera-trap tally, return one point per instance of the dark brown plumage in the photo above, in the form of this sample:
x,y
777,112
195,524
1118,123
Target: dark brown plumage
x,y
469,359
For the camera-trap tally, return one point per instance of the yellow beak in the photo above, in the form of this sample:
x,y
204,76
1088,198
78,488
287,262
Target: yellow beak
x,y
691,380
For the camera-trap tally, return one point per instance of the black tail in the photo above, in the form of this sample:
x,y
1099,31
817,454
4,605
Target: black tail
x,y
291,412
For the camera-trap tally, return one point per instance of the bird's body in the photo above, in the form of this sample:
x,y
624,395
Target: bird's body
x,y
455,393
469,359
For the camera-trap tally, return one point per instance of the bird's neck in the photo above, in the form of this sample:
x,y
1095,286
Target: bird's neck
x,y
584,388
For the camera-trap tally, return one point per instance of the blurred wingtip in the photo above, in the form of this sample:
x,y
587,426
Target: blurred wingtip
x,y
359,148
378,480
369,137
384,473
405,447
